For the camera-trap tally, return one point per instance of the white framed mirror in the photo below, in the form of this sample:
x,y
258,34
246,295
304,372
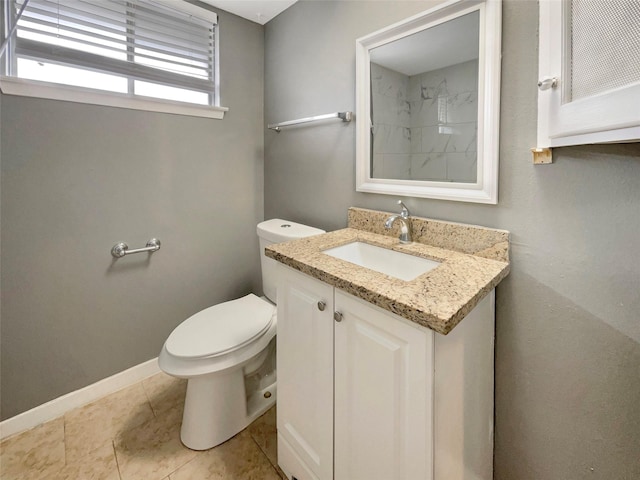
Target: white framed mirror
x,y
428,104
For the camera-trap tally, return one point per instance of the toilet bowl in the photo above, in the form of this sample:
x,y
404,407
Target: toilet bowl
x,y
227,354
212,349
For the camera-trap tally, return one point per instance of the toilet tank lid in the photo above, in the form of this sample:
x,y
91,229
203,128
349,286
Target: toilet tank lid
x,y
277,230
221,329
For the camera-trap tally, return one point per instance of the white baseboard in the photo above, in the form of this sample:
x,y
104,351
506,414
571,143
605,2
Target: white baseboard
x,y
61,405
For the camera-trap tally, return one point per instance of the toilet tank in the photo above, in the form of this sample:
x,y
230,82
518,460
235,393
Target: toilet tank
x,y
277,231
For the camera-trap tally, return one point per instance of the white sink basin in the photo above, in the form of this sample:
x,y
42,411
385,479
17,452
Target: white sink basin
x,y
395,264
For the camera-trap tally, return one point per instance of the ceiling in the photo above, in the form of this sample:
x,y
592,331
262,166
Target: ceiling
x,y
449,43
259,11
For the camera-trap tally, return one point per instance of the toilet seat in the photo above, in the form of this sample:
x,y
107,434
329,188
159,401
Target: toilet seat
x,y
221,329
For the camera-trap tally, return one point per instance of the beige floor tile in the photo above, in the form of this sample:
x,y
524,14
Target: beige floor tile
x,y
281,473
119,438
89,427
100,464
152,450
165,392
35,454
237,459
264,433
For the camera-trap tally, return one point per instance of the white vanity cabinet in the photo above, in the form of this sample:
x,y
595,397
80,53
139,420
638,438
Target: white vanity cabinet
x,y
364,394
383,377
305,376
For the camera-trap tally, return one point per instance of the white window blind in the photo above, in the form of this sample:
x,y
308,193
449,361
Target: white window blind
x,y
155,48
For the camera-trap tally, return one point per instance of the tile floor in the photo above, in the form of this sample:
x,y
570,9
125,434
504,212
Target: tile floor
x,y
134,434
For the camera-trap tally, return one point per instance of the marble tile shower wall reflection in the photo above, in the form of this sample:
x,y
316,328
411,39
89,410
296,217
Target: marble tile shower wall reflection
x,y
428,128
391,123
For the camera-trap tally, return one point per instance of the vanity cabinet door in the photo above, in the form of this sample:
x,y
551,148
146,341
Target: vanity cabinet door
x,y
383,395
305,376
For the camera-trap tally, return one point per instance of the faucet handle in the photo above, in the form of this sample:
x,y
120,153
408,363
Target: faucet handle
x,y
405,211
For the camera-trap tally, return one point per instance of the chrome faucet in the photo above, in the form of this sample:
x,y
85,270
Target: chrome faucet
x,y
405,223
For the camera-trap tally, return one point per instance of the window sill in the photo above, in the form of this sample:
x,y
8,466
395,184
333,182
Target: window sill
x,y
54,91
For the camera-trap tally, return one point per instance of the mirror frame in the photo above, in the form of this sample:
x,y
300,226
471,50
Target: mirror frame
x,y
485,190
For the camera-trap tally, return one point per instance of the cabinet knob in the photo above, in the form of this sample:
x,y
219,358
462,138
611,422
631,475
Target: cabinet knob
x,y
337,316
321,305
547,82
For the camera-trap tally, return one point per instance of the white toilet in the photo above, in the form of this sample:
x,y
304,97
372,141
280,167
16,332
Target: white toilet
x,y
227,353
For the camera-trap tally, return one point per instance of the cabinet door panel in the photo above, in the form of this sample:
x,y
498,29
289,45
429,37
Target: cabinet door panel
x,y
305,371
383,393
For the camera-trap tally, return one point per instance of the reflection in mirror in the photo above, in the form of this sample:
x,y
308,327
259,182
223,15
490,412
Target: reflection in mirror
x,y
424,104
427,104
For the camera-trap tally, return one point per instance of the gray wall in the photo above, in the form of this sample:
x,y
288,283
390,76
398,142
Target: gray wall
x,y
567,326
76,179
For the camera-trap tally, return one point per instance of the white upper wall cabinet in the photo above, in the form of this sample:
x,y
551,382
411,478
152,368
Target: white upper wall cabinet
x,y
589,80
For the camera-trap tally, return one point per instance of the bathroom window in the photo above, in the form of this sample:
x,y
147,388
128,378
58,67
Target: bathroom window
x,y
589,78
145,51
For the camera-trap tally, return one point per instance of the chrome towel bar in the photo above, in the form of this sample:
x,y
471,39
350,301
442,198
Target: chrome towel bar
x,y
119,250
344,116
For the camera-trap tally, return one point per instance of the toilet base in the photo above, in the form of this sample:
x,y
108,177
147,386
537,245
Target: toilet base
x,y
216,408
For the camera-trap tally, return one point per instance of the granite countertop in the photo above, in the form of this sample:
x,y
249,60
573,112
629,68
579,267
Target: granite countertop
x,y
473,261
